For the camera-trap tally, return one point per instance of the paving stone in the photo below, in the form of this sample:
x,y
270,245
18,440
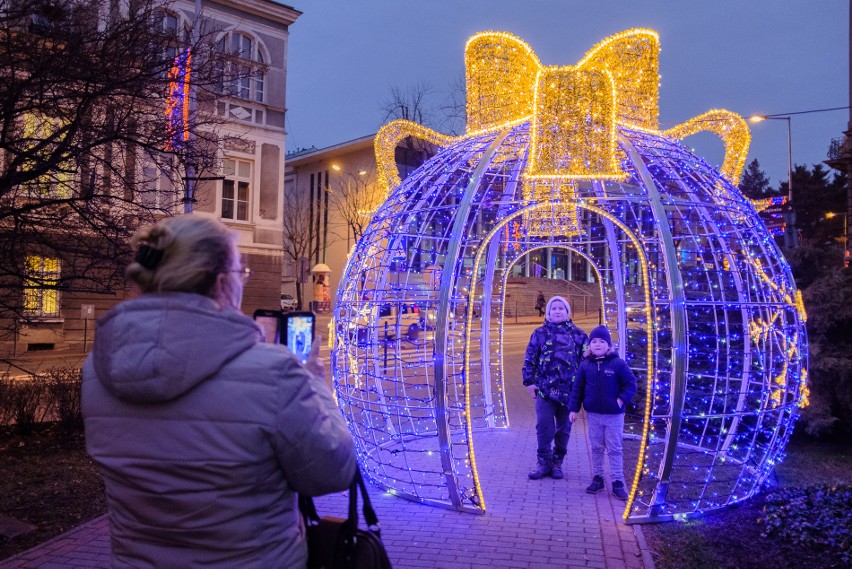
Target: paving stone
x,y
535,524
11,527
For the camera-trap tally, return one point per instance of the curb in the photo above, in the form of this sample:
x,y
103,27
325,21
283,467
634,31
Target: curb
x,y
647,558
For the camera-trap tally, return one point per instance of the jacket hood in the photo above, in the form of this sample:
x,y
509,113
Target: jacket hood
x,y
158,346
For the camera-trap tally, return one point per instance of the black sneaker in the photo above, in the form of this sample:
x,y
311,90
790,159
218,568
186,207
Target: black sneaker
x,y
596,485
618,490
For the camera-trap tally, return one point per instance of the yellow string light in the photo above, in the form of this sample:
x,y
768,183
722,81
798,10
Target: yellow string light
x,y
573,128
730,127
500,73
573,110
649,337
804,391
385,143
559,214
632,58
762,204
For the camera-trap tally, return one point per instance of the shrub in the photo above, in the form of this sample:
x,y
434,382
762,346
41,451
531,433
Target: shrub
x,y
63,397
829,304
53,395
5,400
26,403
814,517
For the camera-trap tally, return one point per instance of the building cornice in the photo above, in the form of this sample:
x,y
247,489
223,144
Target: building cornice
x,y
269,9
336,150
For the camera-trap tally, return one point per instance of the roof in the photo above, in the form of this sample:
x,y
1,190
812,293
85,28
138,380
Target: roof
x,y
303,156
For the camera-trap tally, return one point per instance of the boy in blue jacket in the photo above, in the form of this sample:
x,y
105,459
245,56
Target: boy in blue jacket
x,y
604,386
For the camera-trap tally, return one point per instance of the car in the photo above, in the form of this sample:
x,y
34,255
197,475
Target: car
x,y
288,302
392,321
395,320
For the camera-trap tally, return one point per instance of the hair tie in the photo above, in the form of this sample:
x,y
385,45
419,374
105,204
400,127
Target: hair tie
x,y
149,257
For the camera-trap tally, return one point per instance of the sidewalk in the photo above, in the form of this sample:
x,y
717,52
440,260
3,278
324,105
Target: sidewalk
x,y
527,524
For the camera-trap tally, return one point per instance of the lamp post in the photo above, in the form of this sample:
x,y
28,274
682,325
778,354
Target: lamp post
x,y
791,238
760,118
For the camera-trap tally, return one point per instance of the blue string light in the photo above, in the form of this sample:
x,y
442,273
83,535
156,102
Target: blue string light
x,y
744,350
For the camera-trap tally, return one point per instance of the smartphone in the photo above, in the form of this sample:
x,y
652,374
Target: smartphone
x,y
270,322
299,329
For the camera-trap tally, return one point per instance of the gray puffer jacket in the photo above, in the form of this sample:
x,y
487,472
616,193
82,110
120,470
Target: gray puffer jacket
x,y
203,435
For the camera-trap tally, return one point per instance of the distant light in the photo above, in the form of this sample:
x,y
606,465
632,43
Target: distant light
x,y
335,167
756,118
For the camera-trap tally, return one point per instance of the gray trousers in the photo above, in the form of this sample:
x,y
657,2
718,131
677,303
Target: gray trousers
x,y
605,433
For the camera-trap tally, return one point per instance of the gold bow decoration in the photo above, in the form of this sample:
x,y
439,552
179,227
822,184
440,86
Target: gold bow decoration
x,y
573,110
730,127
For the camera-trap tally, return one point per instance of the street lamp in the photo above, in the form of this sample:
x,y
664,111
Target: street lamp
x,y
761,118
790,233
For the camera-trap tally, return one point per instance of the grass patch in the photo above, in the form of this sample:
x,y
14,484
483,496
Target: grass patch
x,y
46,480
737,537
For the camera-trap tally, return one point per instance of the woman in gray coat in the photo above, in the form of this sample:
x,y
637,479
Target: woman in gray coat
x,y
202,433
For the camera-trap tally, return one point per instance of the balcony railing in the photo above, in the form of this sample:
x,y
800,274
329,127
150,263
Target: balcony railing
x,y
837,148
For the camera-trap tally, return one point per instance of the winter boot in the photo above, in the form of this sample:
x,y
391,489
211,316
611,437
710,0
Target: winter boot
x,y
618,490
596,485
543,468
556,468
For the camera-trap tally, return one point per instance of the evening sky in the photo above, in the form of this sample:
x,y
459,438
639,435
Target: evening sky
x,y
755,56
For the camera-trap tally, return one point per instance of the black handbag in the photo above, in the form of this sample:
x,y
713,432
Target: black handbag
x,y
335,543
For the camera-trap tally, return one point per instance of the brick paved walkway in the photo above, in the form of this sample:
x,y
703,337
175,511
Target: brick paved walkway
x,y
537,524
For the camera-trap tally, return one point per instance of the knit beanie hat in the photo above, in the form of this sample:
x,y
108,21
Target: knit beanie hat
x,y
602,333
556,299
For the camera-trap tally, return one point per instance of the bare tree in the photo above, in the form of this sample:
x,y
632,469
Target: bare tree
x,y
300,243
408,103
453,110
355,198
88,151
413,103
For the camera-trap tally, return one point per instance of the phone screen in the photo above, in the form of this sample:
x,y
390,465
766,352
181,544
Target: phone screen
x,y
269,325
300,334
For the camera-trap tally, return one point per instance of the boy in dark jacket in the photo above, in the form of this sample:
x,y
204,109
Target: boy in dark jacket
x,y
550,365
604,387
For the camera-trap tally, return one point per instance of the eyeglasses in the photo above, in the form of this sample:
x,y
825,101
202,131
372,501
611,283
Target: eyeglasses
x,y
245,273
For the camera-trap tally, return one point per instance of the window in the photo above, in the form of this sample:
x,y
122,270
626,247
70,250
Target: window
x,y
244,68
171,36
235,189
41,295
158,192
44,137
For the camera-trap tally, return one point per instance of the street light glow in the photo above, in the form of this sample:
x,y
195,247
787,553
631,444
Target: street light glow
x,y
756,118
335,167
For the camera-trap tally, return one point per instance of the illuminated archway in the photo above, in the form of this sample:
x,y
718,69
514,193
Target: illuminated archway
x,y
702,302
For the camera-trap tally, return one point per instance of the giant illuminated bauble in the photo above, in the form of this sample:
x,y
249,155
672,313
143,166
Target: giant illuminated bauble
x,y
701,302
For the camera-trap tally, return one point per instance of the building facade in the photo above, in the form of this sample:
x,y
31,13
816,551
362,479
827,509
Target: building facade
x,y
243,187
337,191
